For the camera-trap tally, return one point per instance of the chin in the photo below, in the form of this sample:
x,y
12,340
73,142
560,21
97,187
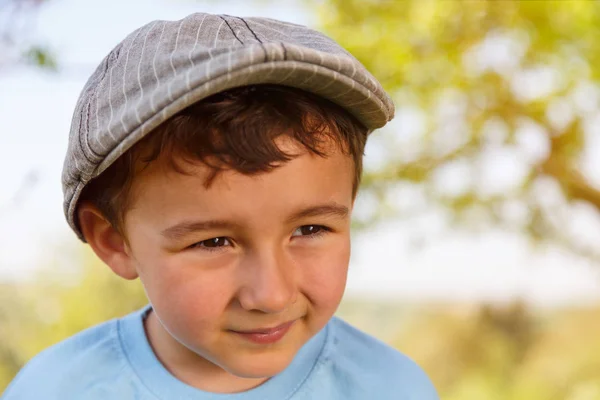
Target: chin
x,y
255,367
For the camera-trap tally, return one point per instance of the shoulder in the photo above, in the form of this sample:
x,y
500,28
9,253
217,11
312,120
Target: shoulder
x,y
378,367
83,360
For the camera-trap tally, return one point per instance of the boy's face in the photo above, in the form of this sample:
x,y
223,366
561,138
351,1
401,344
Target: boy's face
x,y
224,265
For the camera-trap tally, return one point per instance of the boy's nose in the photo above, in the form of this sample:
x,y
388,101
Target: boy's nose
x,y
268,283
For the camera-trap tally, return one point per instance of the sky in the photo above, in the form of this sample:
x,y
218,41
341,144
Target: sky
x,y
35,114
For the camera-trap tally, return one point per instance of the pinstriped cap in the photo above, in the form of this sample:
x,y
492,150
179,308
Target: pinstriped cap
x,y
165,66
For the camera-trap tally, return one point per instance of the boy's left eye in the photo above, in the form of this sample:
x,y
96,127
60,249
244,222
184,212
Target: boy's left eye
x,y
310,230
212,244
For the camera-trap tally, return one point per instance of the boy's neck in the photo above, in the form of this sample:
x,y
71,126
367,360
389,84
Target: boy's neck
x,y
189,367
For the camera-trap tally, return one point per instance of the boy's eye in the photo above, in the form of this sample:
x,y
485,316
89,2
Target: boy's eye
x,y
214,242
309,230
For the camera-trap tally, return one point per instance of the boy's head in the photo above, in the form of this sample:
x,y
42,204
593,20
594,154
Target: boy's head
x,y
217,158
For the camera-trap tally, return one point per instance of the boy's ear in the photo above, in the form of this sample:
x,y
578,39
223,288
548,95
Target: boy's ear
x,y
106,241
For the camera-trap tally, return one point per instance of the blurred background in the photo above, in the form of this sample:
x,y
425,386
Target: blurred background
x,y
477,229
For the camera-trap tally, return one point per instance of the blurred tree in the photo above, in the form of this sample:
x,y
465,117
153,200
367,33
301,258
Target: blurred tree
x,y
507,353
16,27
498,109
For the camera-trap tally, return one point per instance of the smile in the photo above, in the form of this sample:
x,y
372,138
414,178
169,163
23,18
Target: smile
x,y
266,335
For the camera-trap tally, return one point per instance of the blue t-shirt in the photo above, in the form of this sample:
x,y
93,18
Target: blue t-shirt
x,y
114,361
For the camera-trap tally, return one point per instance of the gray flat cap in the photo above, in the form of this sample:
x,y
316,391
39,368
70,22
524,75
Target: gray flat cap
x,y
165,66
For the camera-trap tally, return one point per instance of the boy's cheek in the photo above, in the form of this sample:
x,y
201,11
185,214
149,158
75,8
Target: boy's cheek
x,y
324,281
187,297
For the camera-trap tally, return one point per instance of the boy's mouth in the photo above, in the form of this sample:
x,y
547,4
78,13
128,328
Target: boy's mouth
x,y
266,335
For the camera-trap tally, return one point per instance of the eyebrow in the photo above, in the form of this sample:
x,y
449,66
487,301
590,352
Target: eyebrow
x,y
331,209
186,227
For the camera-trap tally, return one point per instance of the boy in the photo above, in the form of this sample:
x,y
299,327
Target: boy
x,y
217,159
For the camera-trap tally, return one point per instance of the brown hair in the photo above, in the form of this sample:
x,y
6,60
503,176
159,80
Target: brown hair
x,y
233,129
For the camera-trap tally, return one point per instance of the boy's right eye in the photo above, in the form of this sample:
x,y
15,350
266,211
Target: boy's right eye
x,y
213,243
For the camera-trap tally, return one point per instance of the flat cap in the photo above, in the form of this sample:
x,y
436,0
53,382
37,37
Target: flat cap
x,y
165,66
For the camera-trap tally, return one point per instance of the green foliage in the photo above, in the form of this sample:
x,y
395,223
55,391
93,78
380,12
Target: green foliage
x,y
41,57
484,77
15,41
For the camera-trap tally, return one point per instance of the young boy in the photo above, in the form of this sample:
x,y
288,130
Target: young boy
x,y
217,159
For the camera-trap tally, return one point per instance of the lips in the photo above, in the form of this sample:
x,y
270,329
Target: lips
x,y
266,335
